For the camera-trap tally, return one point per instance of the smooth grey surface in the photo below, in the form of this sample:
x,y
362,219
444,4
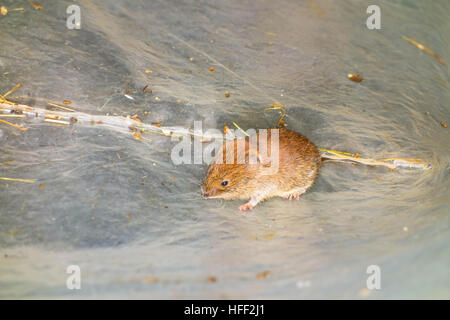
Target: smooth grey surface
x,y
97,211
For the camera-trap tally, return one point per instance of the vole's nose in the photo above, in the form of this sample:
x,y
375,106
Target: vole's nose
x,y
211,193
204,193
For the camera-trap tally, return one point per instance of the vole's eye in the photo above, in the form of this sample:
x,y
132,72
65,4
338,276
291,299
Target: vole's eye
x,y
224,183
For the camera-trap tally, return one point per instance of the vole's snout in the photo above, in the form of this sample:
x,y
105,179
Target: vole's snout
x,y
211,193
203,188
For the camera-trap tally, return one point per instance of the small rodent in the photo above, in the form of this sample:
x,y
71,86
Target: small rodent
x,y
289,175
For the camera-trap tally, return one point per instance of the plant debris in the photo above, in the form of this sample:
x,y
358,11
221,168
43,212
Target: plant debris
x,y
137,136
268,236
60,107
263,275
17,86
12,115
18,180
355,77
135,118
62,122
422,47
338,156
150,279
277,106
241,129
36,5
13,125
4,11
146,90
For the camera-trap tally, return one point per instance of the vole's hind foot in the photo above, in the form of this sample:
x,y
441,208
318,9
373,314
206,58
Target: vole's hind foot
x,y
246,207
294,196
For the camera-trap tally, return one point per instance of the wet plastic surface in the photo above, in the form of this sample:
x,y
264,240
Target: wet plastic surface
x,y
135,223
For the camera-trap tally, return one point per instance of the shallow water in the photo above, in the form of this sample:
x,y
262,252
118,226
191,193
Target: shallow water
x,y
135,223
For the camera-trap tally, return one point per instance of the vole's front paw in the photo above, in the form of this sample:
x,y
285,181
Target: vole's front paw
x,y
246,207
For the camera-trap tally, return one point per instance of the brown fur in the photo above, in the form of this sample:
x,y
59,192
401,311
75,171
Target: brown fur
x,y
298,166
